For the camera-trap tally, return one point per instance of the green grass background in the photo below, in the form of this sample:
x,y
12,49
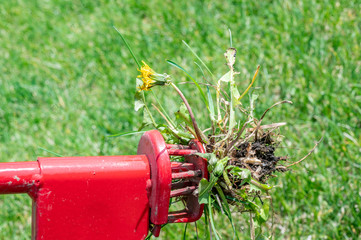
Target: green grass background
x,y
66,81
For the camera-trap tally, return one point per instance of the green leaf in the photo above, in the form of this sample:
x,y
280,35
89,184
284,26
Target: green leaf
x,y
260,236
220,165
211,105
226,77
227,210
264,212
261,186
235,95
230,56
207,187
241,173
252,105
211,157
203,186
254,188
138,101
147,119
182,116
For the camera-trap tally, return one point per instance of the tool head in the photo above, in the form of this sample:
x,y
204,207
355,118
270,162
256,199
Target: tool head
x,y
173,179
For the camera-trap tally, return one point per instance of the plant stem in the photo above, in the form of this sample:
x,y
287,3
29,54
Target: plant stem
x,y
195,125
147,109
252,230
161,107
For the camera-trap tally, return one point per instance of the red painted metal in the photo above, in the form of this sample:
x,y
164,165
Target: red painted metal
x,y
18,177
109,197
163,172
187,174
181,166
182,191
181,152
153,146
83,197
193,210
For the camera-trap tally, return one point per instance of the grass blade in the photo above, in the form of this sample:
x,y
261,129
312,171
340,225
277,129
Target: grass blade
x,y
129,48
185,232
227,210
211,105
125,134
46,150
193,80
211,217
230,36
195,54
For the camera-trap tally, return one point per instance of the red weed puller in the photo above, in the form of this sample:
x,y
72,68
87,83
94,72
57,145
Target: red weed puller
x,y
109,197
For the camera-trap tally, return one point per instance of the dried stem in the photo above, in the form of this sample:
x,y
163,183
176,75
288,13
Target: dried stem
x,y
252,230
308,154
239,134
264,114
171,127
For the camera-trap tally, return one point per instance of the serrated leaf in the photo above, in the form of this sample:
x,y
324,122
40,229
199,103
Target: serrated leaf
x,y
264,212
219,168
242,173
230,56
253,187
147,120
203,185
138,101
226,77
206,188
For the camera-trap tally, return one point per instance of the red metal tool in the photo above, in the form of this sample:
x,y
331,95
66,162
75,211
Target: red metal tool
x,y
109,197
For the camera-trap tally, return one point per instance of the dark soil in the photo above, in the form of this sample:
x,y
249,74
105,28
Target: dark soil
x,y
262,150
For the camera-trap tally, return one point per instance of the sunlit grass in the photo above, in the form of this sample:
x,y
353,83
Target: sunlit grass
x,y
66,82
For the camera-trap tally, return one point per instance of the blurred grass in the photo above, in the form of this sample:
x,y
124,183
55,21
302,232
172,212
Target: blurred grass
x,y
66,81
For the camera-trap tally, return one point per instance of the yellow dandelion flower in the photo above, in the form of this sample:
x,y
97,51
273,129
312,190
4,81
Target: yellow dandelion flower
x,y
150,78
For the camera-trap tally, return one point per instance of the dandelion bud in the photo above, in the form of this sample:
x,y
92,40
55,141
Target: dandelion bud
x,y
150,78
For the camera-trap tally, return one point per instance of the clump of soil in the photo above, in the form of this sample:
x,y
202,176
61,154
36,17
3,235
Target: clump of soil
x,y
258,156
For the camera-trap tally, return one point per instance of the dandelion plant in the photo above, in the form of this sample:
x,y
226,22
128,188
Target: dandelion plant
x,y
240,149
